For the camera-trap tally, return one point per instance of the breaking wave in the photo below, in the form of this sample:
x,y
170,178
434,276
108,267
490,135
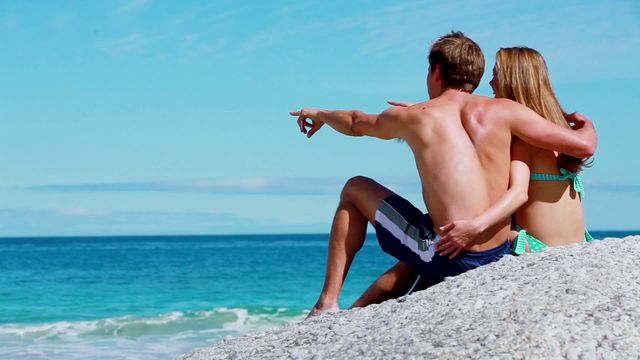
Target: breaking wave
x,y
160,336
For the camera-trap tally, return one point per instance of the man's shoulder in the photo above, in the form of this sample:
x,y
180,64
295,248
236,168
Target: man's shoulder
x,y
484,106
428,107
425,111
481,100
499,103
409,113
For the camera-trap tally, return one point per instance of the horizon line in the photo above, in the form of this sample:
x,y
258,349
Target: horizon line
x,y
221,234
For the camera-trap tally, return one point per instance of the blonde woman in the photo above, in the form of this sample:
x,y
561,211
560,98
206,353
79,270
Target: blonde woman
x,y
545,186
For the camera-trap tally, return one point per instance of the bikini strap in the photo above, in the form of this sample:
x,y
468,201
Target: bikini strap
x,y
587,236
576,179
520,244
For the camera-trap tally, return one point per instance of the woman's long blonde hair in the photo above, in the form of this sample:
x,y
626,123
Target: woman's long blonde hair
x,y
522,76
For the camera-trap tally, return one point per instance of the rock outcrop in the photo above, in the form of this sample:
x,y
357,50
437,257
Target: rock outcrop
x,y
575,302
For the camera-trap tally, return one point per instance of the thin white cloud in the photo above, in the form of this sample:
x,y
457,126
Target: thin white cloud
x,y
56,222
393,26
578,37
127,44
294,8
210,13
212,23
264,186
130,6
62,19
21,222
236,186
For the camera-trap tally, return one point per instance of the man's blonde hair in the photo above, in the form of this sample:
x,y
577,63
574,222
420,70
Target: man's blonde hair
x,y
461,61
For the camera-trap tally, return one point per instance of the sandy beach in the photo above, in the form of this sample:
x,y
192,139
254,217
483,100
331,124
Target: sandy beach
x,y
575,302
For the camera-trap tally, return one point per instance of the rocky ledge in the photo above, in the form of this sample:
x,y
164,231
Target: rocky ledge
x,y
574,302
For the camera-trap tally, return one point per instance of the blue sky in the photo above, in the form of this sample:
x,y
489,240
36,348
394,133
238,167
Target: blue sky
x,y
167,117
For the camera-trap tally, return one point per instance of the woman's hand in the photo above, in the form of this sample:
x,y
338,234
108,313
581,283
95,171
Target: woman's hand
x,y
457,236
400,103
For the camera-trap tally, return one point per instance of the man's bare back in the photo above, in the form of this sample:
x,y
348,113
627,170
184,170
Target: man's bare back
x,y
453,180
462,158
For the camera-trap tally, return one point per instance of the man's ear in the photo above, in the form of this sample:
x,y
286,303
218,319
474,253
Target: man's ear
x,y
436,73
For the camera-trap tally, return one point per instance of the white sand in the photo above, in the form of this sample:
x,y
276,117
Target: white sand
x,y
575,302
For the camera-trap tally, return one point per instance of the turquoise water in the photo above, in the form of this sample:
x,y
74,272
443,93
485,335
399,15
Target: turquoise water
x,y
158,297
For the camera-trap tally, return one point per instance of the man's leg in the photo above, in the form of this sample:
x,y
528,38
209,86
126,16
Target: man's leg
x,y
423,283
395,282
358,203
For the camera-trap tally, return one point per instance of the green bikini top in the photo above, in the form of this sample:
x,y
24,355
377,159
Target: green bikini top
x,y
519,246
576,180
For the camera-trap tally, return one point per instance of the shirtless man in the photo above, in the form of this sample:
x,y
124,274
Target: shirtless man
x,y
461,144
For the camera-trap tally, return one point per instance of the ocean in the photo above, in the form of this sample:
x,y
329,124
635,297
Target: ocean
x,y
156,297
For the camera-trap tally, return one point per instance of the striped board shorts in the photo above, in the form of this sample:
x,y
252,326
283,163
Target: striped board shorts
x,y
407,234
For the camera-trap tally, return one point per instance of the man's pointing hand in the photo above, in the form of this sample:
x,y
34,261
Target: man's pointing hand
x,y
308,118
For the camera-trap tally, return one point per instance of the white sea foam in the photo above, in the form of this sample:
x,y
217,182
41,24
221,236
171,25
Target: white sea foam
x,y
133,337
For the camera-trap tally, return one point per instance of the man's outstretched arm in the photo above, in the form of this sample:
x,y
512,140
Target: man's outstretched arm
x,y
351,122
311,120
526,124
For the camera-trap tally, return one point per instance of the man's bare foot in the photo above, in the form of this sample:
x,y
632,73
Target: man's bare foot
x,y
317,311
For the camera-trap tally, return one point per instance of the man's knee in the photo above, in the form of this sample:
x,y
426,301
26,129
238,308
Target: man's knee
x,y
354,186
